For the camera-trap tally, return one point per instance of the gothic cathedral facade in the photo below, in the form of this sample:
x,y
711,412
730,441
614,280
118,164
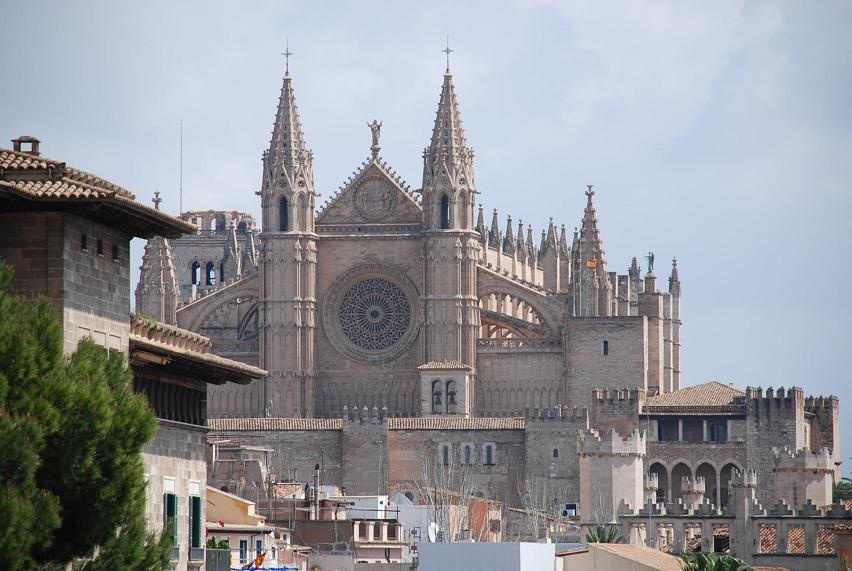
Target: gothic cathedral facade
x,y
405,300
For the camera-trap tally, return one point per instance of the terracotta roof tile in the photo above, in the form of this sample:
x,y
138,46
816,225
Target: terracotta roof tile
x,y
444,366
35,178
239,424
449,423
711,394
177,342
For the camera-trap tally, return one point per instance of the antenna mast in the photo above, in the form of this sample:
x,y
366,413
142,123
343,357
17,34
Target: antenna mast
x,y
180,207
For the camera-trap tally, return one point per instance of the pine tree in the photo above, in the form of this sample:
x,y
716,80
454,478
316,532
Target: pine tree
x,y
71,433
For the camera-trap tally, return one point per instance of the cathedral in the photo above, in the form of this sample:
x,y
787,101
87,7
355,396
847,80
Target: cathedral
x,y
396,326
343,304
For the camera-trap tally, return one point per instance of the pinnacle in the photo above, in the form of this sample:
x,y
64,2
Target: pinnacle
x,y
287,149
674,278
448,143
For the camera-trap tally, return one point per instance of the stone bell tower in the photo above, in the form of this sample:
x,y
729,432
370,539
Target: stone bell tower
x,y
288,265
451,244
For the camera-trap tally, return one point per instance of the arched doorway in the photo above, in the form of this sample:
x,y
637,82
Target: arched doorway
x,y
662,481
725,475
679,472
711,485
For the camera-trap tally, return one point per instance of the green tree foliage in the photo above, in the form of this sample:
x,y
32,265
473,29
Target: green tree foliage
x,y
71,432
712,562
604,533
842,490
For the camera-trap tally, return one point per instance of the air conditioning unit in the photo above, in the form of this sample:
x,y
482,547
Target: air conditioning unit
x,y
570,510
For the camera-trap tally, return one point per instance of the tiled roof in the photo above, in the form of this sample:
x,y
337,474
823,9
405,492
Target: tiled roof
x,y
708,395
32,179
286,490
173,341
238,424
450,423
444,366
647,557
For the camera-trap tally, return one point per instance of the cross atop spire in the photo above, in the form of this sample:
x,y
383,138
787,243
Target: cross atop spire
x,y
448,51
157,200
589,192
287,53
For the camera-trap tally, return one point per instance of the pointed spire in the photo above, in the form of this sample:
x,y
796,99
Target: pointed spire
x,y
551,241
520,247
157,293
674,279
575,243
590,237
480,224
288,154
563,243
530,242
448,144
509,237
634,271
494,237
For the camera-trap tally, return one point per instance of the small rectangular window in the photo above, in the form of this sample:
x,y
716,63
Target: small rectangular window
x,y
170,514
195,522
606,348
114,252
84,243
258,547
243,550
100,247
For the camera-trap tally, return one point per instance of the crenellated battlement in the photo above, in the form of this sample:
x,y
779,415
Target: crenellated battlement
x,y
744,479
592,443
817,403
618,394
557,413
651,481
795,393
804,459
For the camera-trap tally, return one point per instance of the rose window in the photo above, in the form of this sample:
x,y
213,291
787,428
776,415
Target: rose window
x,y
374,314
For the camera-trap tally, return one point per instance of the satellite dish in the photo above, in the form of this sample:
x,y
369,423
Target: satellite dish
x,y
432,532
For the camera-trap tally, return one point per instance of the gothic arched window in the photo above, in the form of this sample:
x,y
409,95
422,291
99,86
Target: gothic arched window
x,y
489,455
210,274
445,455
221,272
284,215
556,452
437,401
195,276
606,347
468,454
445,212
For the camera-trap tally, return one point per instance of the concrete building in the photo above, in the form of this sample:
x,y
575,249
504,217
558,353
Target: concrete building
x,y
470,556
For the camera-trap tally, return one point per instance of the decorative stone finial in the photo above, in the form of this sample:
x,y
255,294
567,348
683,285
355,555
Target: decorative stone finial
x,y
157,200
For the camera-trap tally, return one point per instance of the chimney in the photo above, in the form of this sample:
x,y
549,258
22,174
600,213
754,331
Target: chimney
x,y
26,144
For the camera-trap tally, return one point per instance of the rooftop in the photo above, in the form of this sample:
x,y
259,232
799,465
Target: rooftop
x,y
709,397
156,343
31,182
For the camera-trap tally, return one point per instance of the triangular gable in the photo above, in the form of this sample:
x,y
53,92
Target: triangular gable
x,y
372,196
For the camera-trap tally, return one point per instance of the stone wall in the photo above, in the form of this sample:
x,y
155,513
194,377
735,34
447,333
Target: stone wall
x,y
551,452
90,289
588,367
176,459
515,379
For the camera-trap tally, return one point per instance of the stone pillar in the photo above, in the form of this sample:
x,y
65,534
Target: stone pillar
x,y
384,525
680,430
370,526
706,435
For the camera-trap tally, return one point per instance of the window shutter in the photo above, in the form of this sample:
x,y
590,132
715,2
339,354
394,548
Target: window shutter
x,y
175,503
191,522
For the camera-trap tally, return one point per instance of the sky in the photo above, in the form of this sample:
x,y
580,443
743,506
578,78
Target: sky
x,y
717,132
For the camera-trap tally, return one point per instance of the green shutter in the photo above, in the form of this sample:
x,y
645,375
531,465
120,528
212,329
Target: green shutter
x,y
175,504
195,520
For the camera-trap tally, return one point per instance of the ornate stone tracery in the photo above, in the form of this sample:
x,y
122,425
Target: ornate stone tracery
x,y
370,314
374,314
